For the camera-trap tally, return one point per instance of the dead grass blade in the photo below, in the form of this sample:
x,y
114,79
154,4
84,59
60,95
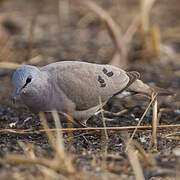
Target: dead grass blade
x,y
9,65
28,149
145,8
142,117
67,160
49,167
51,174
133,158
146,156
59,137
172,134
31,131
70,136
21,159
155,40
29,153
154,122
174,138
61,157
112,27
151,36
51,138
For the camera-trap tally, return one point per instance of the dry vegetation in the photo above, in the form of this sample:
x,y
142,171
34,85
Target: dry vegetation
x,y
142,140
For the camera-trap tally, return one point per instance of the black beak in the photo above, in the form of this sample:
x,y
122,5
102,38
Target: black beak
x,y
16,96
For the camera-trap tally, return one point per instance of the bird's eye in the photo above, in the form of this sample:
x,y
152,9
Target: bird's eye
x,y
28,80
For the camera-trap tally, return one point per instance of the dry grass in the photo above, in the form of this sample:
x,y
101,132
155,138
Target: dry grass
x,y
133,158
62,166
142,117
61,162
8,65
121,41
155,122
31,131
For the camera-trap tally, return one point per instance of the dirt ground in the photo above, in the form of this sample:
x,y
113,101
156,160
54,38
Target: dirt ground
x,y
45,31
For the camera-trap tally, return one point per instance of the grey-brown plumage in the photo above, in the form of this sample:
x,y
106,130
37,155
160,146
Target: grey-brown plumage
x,y
73,87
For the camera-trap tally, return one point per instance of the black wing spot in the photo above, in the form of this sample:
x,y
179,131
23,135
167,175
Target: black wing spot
x,y
105,70
100,79
109,74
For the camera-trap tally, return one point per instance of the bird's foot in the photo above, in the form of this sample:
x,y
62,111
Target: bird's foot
x,y
111,114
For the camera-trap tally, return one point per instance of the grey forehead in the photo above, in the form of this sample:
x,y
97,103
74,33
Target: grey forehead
x,y
22,73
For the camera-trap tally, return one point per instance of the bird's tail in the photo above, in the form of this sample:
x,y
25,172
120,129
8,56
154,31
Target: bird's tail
x,y
163,92
139,87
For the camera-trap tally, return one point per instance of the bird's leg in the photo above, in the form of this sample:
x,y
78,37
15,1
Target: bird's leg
x,y
81,124
109,119
69,118
111,114
105,112
98,112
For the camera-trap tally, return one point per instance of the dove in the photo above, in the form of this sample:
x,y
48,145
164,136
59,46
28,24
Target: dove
x,y
74,87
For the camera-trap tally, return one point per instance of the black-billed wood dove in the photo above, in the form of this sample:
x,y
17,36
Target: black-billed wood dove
x,y
74,87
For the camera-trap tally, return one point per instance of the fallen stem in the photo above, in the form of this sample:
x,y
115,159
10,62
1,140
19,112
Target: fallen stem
x,y
30,131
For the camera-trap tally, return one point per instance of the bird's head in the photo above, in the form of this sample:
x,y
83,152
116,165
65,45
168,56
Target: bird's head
x,y
22,79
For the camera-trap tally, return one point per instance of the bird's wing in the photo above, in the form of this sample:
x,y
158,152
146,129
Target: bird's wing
x,y
83,83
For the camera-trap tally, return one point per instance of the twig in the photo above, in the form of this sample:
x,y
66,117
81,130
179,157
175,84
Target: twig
x,y
172,134
145,8
59,138
154,122
31,131
142,117
133,158
21,159
64,161
60,145
112,27
8,65
156,40
49,134
70,137
149,160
